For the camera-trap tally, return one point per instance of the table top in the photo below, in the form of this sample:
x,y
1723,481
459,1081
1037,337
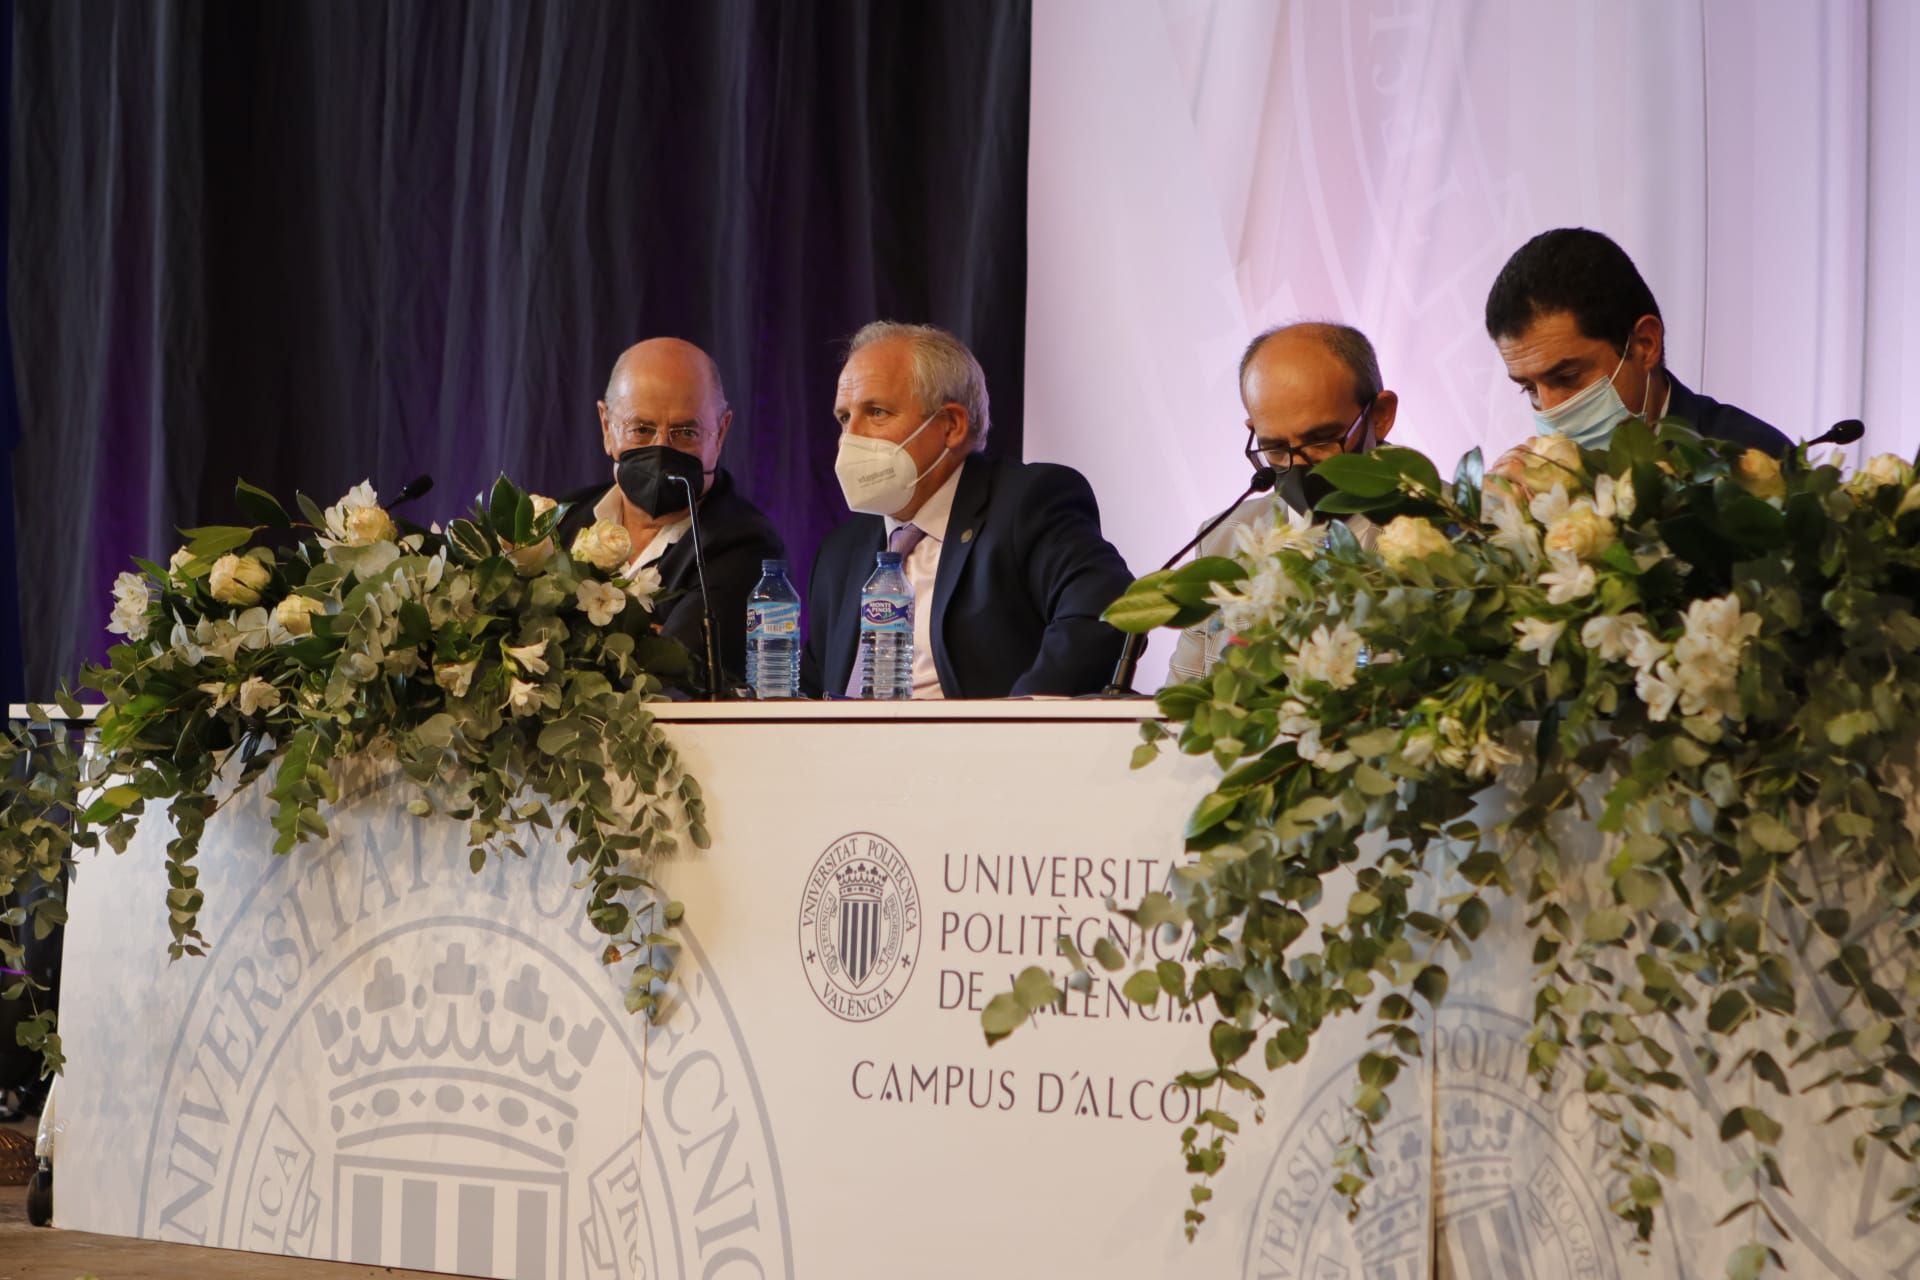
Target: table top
x,y
841,711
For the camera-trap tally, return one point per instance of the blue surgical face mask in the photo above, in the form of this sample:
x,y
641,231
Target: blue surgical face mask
x,y
1589,416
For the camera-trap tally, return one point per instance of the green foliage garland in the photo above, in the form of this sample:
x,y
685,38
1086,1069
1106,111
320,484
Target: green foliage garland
x,y
1722,656
508,678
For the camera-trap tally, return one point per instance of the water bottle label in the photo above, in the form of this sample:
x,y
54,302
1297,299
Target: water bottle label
x,y
886,613
773,618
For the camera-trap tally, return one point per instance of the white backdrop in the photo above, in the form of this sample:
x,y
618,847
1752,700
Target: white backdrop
x,y
1199,169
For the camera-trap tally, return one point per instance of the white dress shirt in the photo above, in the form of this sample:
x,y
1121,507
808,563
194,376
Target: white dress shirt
x,y
922,566
608,508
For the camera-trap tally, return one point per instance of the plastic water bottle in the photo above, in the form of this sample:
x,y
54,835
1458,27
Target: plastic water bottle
x,y
886,631
773,634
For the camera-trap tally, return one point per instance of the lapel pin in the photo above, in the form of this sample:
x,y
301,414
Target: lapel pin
x,y
966,535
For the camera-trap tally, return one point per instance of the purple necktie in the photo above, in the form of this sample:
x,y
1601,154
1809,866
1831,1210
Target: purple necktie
x,y
903,540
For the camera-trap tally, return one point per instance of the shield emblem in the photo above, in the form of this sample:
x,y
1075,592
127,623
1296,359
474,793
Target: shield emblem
x,y
862,888
1485,1241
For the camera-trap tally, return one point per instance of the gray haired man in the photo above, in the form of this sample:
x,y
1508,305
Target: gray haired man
x,y
1009,570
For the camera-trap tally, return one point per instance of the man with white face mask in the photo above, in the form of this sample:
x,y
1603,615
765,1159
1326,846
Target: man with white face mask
x,y
1581,335
1009,570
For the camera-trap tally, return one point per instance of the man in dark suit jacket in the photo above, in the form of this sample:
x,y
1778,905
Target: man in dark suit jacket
x,y
1009,568
1581,334
666,411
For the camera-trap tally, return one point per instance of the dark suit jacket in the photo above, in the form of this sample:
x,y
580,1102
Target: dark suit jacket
x,y
737,536
1024,576
1719,421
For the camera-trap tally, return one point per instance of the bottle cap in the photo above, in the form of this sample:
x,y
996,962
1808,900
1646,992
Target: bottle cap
x,y
773,566
886,559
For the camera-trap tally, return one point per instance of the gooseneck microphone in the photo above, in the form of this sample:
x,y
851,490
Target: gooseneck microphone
x,y
706,602
414,488
1121,686
1846,431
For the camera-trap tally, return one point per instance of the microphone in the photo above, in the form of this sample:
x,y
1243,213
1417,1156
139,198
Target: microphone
x,y
1845,431
414,488
706,601
1121,686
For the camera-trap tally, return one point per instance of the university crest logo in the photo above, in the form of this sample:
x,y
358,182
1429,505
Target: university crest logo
x,y
859,926
390,1060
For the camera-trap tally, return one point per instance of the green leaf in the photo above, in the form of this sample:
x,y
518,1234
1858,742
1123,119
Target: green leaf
x,y
1210,812
1606,925
1228,1042
1366,475
1034,988
210,542
1431,984
1003,1014
1771,834
1747,1262
259,506
1141,608
1143,987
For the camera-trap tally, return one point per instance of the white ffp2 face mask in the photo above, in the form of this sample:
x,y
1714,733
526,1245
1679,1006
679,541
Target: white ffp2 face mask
x,y
1589,416
877,476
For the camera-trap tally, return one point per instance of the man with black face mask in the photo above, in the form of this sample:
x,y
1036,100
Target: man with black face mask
x,y
665,416
1311,390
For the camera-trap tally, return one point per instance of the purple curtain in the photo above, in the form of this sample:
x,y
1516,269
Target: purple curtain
x,y
312,242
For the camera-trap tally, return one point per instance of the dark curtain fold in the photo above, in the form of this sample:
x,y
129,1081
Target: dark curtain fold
x,y
310,242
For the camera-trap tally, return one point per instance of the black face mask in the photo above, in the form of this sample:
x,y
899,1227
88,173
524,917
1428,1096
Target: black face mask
x,y
645,476
1302,490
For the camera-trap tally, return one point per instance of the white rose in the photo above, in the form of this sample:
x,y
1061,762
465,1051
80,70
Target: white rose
x,y
368,525
358,520
257,695
454,677
1759,474
131,596
294,615
600,601
1407,539
1881,469
1551,460
179,560
1582,531
605,544
541,504
237,579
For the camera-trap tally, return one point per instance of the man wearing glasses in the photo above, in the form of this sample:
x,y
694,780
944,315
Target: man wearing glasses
x,y
662,425
1311,390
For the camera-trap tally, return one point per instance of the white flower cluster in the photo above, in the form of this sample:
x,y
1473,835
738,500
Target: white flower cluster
x,y
1455,746
131,597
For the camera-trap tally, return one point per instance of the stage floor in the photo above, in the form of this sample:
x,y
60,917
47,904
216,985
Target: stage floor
x,y
45,1253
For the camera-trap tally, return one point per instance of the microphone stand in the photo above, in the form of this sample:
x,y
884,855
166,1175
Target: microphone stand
x,y
1121,686
706,601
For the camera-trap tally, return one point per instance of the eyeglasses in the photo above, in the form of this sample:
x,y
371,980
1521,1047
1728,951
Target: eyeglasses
x,y
1285,457
640,435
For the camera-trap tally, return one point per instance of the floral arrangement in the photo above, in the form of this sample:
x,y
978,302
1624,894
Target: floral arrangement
x,y
507,677
1708,657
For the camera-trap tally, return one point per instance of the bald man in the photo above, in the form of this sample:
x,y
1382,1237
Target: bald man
x,y
664,421
1311,390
